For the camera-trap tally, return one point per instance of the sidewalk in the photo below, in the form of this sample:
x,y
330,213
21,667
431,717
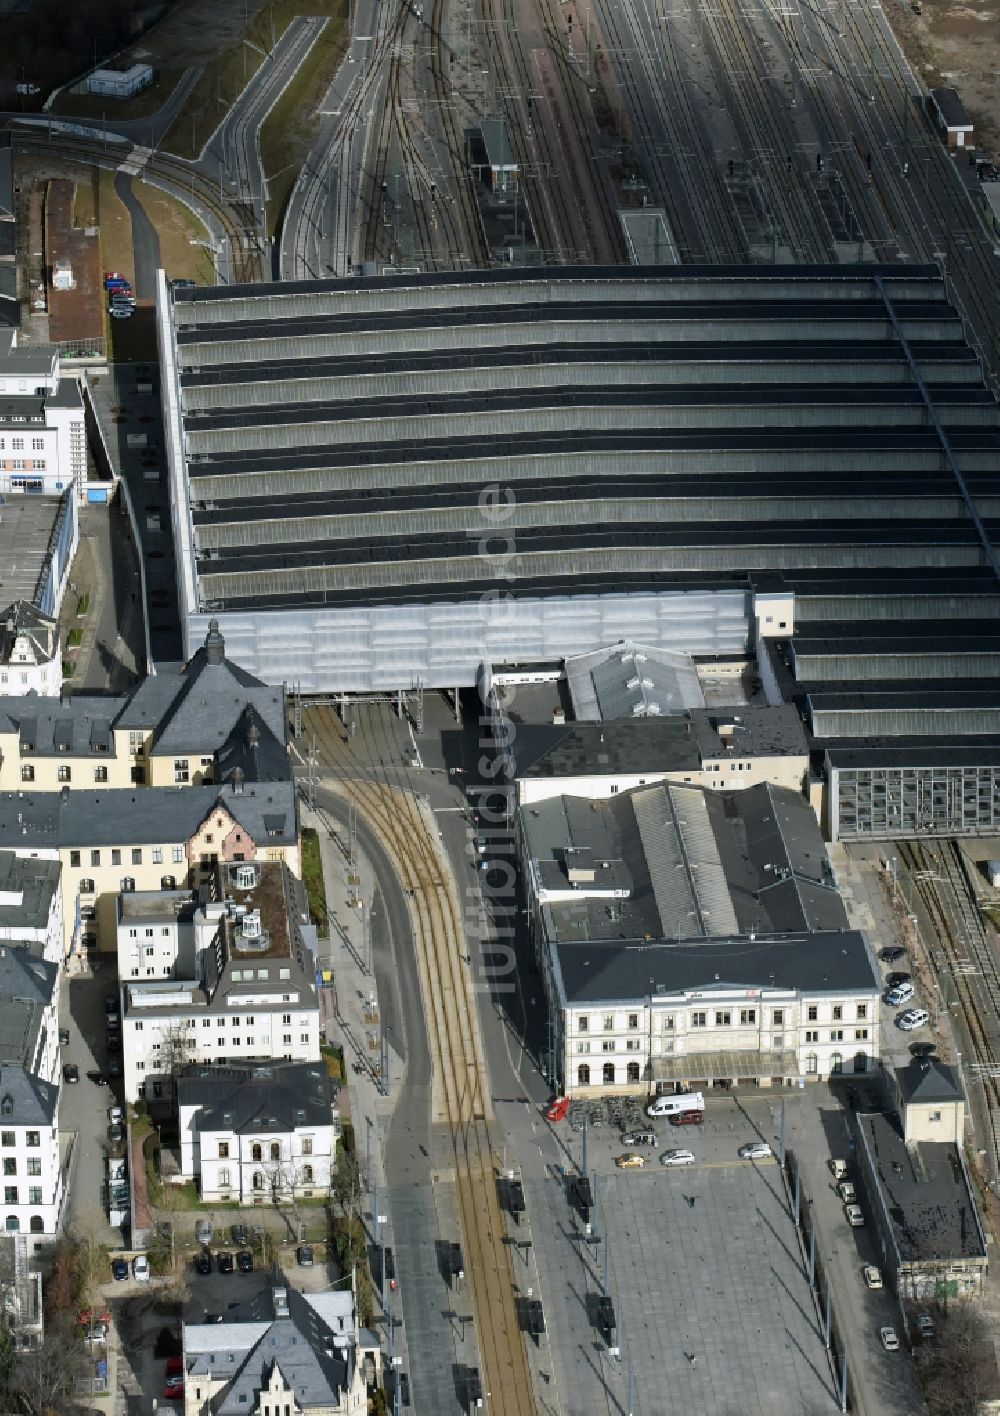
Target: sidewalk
x,y
352,1020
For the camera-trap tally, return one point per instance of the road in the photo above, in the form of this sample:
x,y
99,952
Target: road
x,y
145,241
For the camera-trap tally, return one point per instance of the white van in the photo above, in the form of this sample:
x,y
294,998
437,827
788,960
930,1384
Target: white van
x,y
671,1105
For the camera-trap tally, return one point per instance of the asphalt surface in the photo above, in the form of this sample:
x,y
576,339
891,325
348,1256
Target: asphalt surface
x,y
145,242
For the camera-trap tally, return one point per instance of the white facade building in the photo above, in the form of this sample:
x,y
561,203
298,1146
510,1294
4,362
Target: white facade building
x,y
43,445
258,1135
251,996
31,905
33,1180
156,934
30,652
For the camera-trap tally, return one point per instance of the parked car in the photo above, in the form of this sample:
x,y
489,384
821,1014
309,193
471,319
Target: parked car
x,y
891,953
97,1336
238,1234
855,1216
755,1150
630,1162
913,1018
203,1231
304,1256
839,1168
203,1262
116,1133
64,1037
140,1268
558,1109
110,1003
114,1068
893,980
90,1315
639,1138
113,275
98,1079
225,1261
847,1192
244,1261
889,1339
119,1269
71,1072
174,1391
677,1157
114,1042
925,1326
871,1276
687,1118
895,996
117,314
116,1115
113,1022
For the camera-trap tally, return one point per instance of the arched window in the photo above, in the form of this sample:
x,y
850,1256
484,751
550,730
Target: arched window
x,y
37,1224
609,1074
256,1153
86,886
307,1174
168,882
13,1224
836,1063
633,1071
812,1064
128,884
275,1150
583,1075
258,1180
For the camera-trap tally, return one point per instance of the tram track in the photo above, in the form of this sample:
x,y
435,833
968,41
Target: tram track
x,y
369,769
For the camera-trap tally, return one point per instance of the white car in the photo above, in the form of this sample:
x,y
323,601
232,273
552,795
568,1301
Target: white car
x,y
677,1157
913,1018
116,1115
755,1150
902,993
889,1339
871,1276
140,1268
855,1216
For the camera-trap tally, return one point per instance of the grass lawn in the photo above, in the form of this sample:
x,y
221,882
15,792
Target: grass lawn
x,y
83,202
288,131
312,878
176,225
228,67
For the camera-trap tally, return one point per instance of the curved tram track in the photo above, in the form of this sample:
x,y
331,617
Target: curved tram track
x,y
370,772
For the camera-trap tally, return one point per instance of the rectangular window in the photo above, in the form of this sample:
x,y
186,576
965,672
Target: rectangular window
x,y
836,1034
632,1044
177,855
181,773
608,1045
812,1013
223,1150
723,1019
157,855
34,1165
74,857
668,1022
116,856
286,1040
778,1017
137,855
286,1019
95,857
838,1012
860,1034
699,1020
100,774
812,1034
10,1165
303,1037
862,1011
27,773
747,1016
8,1138
609,1022
33,1138
633,1021
10,1194
34,1194
583,1047
307,1145
223,1176
64,773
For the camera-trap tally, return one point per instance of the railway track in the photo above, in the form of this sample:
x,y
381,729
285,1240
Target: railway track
x,y
965,959
941,191
369,769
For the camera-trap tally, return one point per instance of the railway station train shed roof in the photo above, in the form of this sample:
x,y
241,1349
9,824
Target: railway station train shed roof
x,y
382,480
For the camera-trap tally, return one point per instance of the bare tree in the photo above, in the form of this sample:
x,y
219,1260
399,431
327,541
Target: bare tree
x,y
958,1367
44,1377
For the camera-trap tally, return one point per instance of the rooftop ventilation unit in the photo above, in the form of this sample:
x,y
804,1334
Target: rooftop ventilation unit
x,y
252,937
245,876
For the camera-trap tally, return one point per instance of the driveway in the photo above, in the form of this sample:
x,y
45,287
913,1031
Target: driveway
x,y
83,1107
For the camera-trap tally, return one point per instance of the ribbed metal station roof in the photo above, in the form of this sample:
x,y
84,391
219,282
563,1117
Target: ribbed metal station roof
x,y
828,427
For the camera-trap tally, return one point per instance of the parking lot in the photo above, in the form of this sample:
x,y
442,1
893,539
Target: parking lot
x,y
704,1270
